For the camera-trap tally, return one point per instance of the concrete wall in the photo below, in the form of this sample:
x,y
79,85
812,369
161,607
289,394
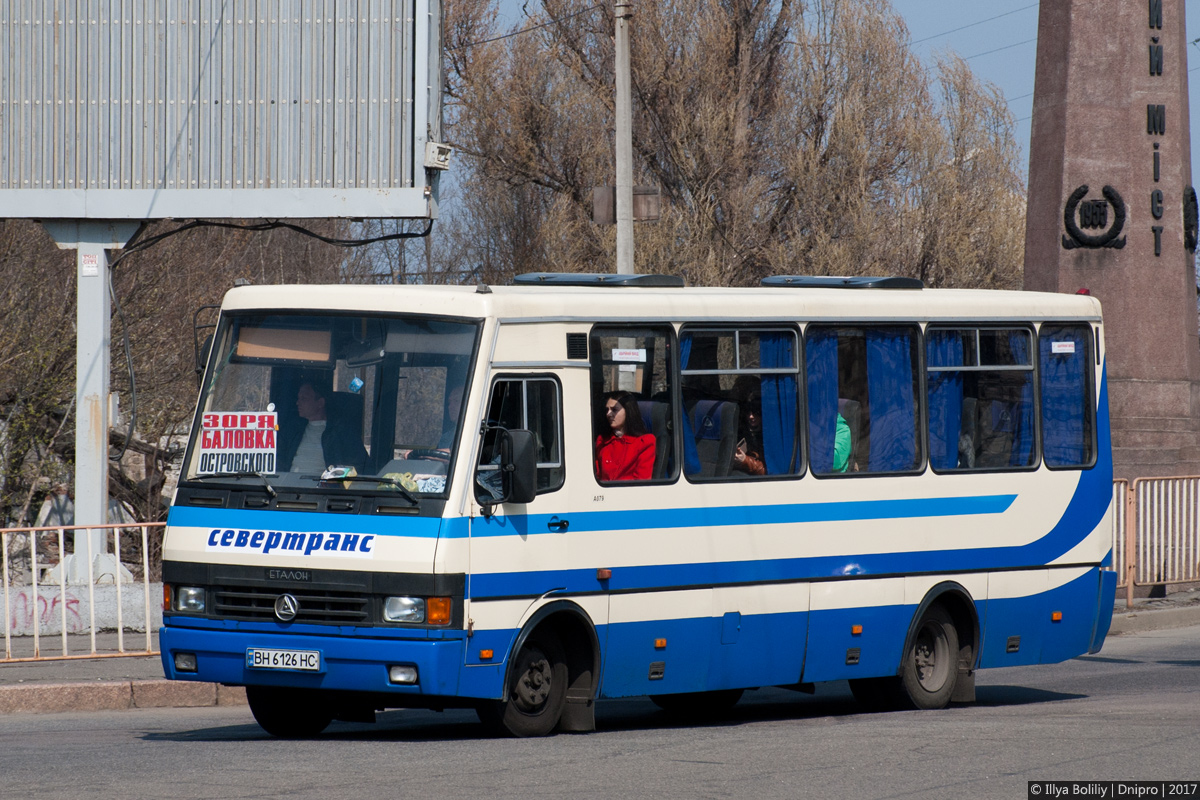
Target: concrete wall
x,y
46,610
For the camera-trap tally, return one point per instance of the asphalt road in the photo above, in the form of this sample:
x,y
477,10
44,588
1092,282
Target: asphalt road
x,y
1131,712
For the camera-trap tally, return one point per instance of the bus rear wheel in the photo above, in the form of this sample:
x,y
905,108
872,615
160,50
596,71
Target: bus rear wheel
x,y
930,667
288,713
536,692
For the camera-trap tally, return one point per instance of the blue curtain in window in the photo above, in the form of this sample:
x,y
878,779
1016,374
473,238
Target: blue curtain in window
x,y
1022,415
821,358
691,456
893,406
776,351
944,349
1066,437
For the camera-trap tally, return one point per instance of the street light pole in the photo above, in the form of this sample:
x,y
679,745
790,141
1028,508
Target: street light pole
x,y
624,136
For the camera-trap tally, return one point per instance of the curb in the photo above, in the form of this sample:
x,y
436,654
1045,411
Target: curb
x,y
51,698
1159,619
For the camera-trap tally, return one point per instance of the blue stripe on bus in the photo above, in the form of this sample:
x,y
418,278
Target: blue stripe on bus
x,y
303,521
591,521
722,516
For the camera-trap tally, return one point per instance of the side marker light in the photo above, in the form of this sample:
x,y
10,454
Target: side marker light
x,y
1056,616
856,630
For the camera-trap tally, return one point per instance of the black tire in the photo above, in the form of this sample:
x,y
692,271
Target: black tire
x,y
697,705
930,666
535,695
289,713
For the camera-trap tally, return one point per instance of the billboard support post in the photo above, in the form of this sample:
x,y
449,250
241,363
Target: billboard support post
x,y
91,239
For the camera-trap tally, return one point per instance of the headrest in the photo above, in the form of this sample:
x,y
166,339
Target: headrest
x,y
706,419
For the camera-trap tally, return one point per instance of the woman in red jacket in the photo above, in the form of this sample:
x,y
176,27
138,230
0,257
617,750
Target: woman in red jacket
x,y
624,450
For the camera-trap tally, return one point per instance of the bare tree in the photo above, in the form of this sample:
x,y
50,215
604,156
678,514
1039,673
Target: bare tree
x,y
158,290
785,136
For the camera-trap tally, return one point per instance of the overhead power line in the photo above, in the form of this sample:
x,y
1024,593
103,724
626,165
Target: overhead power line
x,y
973,24
998,49
530,29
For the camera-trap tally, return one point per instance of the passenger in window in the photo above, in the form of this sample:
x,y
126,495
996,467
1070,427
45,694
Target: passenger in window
x,y
624,450
842,445
748,457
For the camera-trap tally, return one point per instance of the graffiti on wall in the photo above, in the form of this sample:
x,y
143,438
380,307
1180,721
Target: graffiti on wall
x,y
46,611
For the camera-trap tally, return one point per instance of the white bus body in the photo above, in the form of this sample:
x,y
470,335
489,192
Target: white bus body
x,y
967,527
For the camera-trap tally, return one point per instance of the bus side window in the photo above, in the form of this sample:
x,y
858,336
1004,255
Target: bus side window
x,y
740,402
863,397
631,366
532,404
980,389
1068,409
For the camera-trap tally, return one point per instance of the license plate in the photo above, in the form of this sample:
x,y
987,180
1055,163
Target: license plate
x,y
262,658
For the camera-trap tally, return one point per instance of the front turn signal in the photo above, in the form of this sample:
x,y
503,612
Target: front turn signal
x,y
437,610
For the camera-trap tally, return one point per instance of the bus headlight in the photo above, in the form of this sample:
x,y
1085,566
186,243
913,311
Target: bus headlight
x,y
404,609
190,598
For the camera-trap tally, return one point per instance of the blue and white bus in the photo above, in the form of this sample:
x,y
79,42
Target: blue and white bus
x,y
527,498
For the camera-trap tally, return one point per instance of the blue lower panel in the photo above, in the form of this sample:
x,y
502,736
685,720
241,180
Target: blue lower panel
x,y
831,642
631,656
350,663
1072,635
759,650
1021,631
703,654
1108,595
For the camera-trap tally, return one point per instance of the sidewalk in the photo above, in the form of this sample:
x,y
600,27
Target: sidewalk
x,y
107,683
136,681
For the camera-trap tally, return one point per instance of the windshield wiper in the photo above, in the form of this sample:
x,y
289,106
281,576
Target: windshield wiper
x,y
405,493
266,484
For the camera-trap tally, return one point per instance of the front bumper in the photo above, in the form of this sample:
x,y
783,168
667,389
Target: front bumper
x,y
348,663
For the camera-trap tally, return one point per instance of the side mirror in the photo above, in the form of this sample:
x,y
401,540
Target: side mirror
x,y
511,475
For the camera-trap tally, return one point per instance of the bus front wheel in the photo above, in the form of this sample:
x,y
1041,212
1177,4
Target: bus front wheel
x,y
930,667
536,692
288,713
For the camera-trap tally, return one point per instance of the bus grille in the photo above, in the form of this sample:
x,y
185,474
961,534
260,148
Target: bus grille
x,y
257,603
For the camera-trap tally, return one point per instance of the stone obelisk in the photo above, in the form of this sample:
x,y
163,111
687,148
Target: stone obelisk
x,y
1112,211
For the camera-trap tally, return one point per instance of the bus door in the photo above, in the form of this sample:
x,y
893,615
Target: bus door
x,y
519,553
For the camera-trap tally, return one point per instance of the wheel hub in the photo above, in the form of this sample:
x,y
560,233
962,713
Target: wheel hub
x,y
931,656
533,687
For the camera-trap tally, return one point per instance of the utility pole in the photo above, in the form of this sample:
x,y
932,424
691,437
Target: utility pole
x,y
624,134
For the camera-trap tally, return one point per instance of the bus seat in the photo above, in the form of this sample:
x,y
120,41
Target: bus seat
x,y
995,431
654,417
714,426
344,410
851,412
966,438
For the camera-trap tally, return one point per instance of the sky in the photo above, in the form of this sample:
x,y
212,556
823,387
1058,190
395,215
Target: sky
x,y
998,38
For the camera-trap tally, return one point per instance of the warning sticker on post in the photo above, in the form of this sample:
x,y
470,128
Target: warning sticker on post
x,y
238,442
1062,348
629,354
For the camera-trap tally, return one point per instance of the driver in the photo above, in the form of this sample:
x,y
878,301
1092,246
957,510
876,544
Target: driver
x,y
320,442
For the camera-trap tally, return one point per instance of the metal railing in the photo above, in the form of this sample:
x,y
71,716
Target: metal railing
x,y
1165,548
1122,514
41,600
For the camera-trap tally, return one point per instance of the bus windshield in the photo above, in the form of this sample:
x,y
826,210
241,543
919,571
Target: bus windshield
x,y
344,403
